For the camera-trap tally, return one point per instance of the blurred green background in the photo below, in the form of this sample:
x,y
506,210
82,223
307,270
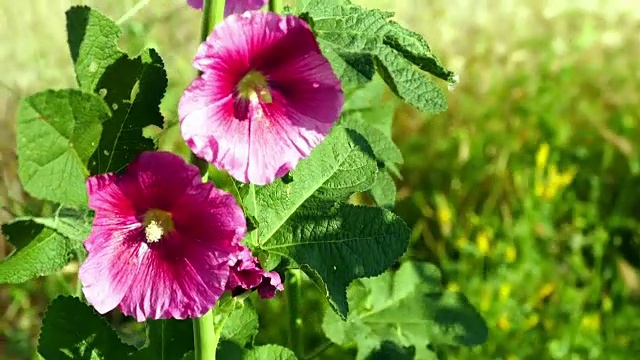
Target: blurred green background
x,y
526,192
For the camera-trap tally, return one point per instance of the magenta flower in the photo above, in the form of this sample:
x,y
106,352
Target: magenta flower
x,y
232,6
246,274
266,98
161,240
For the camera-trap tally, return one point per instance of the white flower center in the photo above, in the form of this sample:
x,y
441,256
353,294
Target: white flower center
x,y
157,223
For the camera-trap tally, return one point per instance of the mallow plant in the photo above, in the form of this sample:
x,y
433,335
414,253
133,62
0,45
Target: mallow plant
x,y
287,135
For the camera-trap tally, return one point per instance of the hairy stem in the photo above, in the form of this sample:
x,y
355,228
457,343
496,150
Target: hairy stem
x,y
205,339
212,13
276,6
292,291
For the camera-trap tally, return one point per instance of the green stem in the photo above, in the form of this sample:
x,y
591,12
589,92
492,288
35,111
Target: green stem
x,y
276,6
156,333
205,339
292,291
212,13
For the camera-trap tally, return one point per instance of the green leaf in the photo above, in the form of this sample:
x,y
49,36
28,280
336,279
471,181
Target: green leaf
x,y
271,352
58,131
336,168
122,138
384,190
241,325
307,221
42,245
340,243
171,337
346,29
413,47
384,149
72,330
93,40
409,308
132,87
409,83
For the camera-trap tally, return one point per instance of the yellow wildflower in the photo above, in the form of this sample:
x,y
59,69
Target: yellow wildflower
x,y
542,156
453,287
504,323
505,292
510,254
591,322
482,242
532,321
444,214
545,291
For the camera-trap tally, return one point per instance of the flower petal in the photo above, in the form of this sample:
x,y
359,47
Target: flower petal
x,y
265,139
270,284
180,280
110,266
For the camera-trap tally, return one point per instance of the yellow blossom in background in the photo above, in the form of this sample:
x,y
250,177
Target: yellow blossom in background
x,y
545,291
505,292
483,242
532,321
513,357
591,322
549,181
510,254
542,157
557,181
444,214
453,287
503,323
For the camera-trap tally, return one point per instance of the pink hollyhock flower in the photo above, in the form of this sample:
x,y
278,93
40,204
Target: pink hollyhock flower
x,y
246,274
266,98
161,240
232,6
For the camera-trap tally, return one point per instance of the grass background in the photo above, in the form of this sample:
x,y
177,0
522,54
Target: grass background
x,y
546,249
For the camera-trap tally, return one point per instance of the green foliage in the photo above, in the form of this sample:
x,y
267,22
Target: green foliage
x,y
133,88
407,307
72,330
358,42
274,352
307,221
42,245
58,131
241,324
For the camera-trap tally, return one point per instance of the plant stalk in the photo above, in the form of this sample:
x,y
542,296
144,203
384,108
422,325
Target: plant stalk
x,y
205,339
276,6
292,290
212,13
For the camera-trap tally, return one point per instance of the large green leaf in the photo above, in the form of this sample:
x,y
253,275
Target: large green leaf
x,y
71,330
132,87
241,325
58,131
407,307
400,56
43,245
306,220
